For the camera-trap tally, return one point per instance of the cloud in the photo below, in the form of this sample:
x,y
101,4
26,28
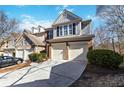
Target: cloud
x,y
20,6
27,17
65,6
28,22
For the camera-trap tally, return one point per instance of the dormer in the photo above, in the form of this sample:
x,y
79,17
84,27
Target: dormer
x,y
68,24
37,29
66,17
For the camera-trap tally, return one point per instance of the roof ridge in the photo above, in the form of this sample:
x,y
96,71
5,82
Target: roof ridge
x,y
69,13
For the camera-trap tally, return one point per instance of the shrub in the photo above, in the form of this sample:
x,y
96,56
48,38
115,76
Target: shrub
x,y
44,55
33,56
38,57
43,51
105,58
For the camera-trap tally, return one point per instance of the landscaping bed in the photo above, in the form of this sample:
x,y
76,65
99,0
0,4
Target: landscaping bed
x,y
14,67
95,76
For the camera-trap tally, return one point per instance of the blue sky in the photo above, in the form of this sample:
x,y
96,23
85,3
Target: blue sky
x,y
45,14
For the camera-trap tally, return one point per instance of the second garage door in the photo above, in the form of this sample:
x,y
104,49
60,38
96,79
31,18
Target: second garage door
x,y
19,53
58,51
78,51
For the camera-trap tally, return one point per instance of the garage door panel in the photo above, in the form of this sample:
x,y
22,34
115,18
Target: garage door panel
x,y
78,51
19,53
23,53
58,51
26,53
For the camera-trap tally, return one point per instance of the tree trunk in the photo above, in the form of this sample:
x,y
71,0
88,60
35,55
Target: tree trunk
x,y
113,45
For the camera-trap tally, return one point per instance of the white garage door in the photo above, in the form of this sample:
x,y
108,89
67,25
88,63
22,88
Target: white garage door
x,y
26,53
58,51
78,51
19,53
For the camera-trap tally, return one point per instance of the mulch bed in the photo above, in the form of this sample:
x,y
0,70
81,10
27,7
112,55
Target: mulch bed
x,y
94,76
14,67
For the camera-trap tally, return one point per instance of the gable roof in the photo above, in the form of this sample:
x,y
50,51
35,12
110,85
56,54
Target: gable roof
x,y
66,16
12,36
36,40
85,23
16,35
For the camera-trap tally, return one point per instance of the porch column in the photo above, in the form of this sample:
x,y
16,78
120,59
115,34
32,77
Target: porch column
x,y
50,51
67,51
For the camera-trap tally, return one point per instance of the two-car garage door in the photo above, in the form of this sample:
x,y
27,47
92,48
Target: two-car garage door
x,y
77,51
23,53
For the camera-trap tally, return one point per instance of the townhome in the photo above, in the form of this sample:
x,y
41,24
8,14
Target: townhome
x,y
8,48
69,37
29,42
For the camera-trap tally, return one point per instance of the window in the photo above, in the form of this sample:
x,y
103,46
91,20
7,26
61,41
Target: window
x,y
22,42
25,42
74,28
57,31
13,41
60,28
50,34
7,44
65,30
70,29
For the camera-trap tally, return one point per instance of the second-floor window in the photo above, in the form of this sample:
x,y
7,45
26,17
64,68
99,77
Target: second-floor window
x,y
25,42
50,34
61,32
70,29
65,30
21,43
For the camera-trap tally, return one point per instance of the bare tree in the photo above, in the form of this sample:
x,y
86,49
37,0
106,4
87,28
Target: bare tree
x,y
102,39
113,17
7,26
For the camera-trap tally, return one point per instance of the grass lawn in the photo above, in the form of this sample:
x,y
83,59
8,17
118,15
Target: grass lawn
x,y
100,77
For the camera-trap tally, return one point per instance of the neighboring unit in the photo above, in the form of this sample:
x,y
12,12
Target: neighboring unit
x,y
29,43
8,48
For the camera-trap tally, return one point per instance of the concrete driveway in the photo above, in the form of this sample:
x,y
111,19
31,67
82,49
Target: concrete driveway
x,y
47,74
